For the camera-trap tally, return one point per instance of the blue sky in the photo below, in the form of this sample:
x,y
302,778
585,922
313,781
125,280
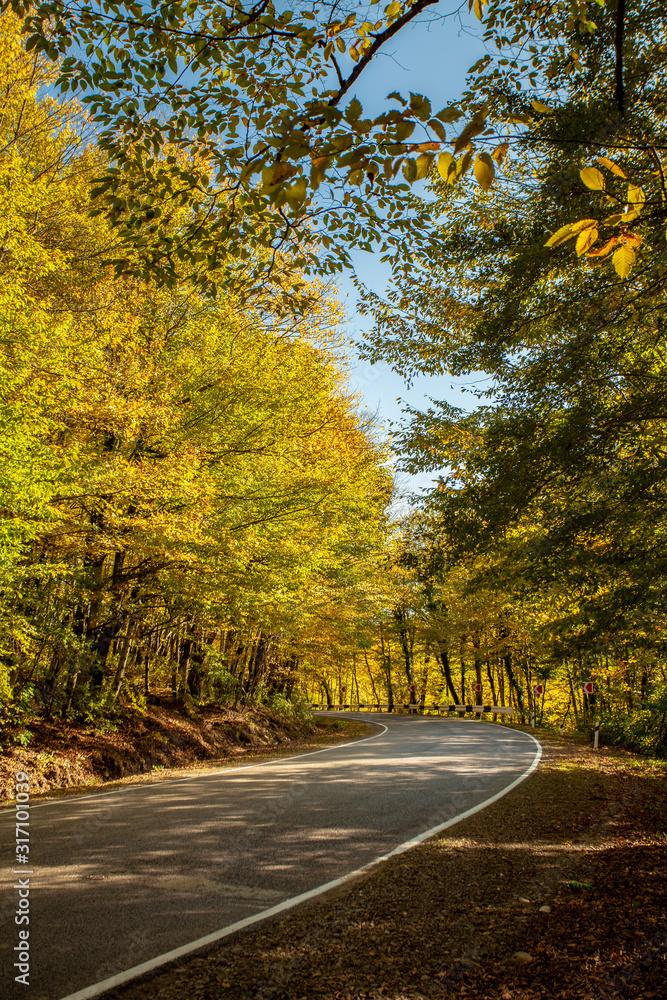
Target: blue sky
x,y
430,59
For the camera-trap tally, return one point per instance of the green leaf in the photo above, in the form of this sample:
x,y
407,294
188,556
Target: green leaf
x,y
437,127
449,115
277,174
410,170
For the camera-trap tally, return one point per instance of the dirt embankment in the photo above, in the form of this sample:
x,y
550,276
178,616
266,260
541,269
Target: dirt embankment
x,y
160,743
556,891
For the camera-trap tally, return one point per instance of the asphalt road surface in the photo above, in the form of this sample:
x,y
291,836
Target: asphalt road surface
x,y
122,877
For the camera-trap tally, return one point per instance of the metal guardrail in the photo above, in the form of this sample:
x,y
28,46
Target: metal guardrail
x,y
384,706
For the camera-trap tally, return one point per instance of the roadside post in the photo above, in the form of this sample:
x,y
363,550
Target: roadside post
x,y
596,735
587,688
538,691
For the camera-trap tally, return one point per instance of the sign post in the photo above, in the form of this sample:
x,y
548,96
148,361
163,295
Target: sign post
x,y
538,690
587,688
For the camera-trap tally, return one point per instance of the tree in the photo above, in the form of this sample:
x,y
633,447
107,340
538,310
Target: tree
x,y
187,481
233,134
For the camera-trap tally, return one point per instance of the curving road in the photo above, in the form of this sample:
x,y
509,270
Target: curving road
x,y
123,877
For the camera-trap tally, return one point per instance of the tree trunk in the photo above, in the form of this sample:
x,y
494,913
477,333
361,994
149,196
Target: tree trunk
x,y
407,641
478,668
489,672
173,656
514,686
248,654
463,671
370,674
443,656
327,691
123,658
572,693
72,678
184,664
386,669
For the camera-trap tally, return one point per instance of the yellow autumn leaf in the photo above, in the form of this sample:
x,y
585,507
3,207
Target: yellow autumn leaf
x,y
624,259
592,178
446,166
543,108
604,161
484,171
424,165
478,7
500,152
621,217
568,231
636,198
586,239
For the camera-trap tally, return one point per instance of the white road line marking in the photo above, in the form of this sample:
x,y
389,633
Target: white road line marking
x,y
170,782
171,956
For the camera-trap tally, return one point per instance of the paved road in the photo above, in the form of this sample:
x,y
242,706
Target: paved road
x,y
122,877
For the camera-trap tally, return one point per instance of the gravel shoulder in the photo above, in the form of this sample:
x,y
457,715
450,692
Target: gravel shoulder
x,y
556,890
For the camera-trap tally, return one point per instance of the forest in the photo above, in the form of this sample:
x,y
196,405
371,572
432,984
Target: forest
x,y
193,502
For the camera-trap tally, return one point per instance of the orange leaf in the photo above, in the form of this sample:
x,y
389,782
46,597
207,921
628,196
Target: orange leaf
x,y
603,251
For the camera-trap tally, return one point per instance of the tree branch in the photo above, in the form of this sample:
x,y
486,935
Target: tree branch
x,y
380,39
618,45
